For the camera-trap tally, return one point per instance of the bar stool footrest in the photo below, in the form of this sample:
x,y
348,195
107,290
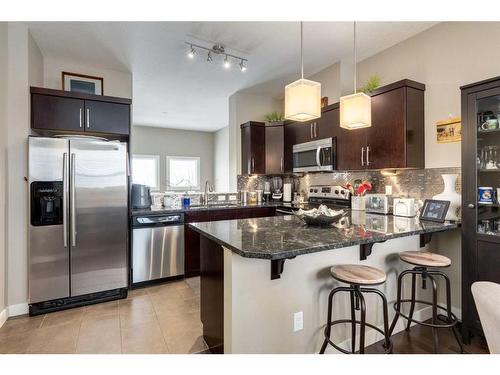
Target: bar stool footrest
x,y
344,321
451,324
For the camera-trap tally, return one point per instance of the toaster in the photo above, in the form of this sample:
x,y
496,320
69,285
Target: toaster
x,y
404,207
378,204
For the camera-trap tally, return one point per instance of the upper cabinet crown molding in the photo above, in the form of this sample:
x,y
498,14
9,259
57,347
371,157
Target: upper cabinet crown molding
x,y
78,95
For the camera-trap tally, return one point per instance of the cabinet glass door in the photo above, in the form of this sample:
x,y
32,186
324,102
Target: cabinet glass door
x,y
488,162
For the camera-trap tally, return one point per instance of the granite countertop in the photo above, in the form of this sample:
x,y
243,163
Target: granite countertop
x,y
210,207
281,237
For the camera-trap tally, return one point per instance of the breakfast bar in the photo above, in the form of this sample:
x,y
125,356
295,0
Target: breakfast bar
x,y
271,271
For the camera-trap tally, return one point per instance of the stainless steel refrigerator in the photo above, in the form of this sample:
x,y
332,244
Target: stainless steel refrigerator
x,y
78,230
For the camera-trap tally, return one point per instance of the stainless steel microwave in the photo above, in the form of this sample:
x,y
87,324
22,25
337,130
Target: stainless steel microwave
x,y
315,156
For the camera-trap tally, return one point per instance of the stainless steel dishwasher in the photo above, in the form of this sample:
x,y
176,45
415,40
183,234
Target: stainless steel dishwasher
x,y
157,247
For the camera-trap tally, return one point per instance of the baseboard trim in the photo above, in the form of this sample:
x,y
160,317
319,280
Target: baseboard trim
x,y
372,336
19,309
3,317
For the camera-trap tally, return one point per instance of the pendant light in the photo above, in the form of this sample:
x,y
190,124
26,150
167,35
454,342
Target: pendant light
x,y
355,109
302,97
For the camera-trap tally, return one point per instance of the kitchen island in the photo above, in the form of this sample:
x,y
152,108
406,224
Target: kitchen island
x,y
256,274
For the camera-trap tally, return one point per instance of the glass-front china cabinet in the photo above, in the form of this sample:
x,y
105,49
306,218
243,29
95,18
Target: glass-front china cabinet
x,y
480,193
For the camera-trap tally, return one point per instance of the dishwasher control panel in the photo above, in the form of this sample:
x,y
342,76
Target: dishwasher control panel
x,y
143,221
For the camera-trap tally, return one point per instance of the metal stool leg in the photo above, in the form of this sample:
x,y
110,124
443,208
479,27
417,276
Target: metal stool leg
x,y
353,322
329,317
362,327
412,306
387,337
434,314
398,301
448,309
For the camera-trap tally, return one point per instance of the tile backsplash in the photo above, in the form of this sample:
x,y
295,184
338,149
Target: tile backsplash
x,y
414,183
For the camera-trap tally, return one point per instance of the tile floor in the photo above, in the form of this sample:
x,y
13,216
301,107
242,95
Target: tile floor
x,y
157,319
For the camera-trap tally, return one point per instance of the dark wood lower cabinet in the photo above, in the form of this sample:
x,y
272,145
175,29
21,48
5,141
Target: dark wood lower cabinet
x,y
212,294
192,238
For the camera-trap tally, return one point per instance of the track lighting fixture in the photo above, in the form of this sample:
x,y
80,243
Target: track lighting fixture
x,y
216,50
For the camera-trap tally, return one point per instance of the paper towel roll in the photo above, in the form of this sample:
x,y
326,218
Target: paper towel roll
x,y
287,192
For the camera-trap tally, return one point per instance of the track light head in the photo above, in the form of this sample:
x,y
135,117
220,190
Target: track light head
x,y
191,53
209,56
243,68
227,63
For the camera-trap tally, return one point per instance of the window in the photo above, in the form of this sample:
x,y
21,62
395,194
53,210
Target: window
x,y
146,170
183,173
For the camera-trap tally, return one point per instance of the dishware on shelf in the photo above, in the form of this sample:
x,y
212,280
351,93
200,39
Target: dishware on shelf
x,y
491,157
485,195
490,124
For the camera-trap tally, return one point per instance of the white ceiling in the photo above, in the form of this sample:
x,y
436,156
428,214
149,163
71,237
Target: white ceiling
x,y
169,90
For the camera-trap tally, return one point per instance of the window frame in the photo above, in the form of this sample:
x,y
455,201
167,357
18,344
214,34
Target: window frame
x,y
177,188
157,159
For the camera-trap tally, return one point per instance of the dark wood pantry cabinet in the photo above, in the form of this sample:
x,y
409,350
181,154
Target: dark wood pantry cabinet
x,y
480,167
58,111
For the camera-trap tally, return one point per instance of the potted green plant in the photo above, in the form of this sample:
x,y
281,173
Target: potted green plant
x,y
372,83
274,118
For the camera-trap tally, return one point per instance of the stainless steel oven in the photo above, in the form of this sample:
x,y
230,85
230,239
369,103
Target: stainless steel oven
x,y
315,156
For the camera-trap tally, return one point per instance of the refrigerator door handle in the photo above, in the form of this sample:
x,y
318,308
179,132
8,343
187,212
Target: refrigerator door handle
x,y
65,199
72,198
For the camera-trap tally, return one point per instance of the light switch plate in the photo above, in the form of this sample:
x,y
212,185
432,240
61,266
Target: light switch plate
x,y
298,321
388,189
221,198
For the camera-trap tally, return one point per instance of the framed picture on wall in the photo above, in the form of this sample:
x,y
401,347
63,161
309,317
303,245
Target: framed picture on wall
x,y
82,83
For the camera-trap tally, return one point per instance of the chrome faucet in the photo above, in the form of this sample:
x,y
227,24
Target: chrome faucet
x,y
208,189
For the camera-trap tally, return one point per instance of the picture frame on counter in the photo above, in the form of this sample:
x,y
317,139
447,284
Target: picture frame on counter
x,y
82,83
434,210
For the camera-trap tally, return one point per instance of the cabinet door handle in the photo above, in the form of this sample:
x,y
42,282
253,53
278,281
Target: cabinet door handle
x,y
362,156
311,130
88,118
281,165
253,165
315,130
471,205
367,155
81,118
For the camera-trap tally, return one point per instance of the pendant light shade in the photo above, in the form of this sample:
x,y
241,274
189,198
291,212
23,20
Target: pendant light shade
x,y
302,97
303,100
355,109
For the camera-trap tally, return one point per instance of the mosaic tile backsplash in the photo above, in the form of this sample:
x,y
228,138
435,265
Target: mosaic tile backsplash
x,y
415,183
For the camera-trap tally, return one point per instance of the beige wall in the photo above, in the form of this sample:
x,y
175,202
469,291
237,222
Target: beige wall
x,y
3,160
221,160
443,57
116,83
172,142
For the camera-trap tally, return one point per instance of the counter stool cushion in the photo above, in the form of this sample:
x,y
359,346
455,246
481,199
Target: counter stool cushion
x,y
358,274
424,259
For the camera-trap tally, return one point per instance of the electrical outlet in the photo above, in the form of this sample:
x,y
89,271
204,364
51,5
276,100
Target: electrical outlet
x,y
221,198
298,321
388,189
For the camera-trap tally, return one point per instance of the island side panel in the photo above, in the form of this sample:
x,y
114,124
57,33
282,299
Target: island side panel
x,y
212,293
259,315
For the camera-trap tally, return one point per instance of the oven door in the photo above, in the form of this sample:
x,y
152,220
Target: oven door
x,y
314,156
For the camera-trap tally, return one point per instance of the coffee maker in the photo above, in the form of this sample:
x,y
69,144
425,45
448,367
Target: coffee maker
x,y
277,188
267,191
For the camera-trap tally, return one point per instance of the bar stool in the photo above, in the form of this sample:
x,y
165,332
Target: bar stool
x,y
357,276
422,260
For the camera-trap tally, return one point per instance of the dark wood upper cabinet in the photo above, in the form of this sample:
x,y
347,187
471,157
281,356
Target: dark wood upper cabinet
x,y
253,148
275,149
60,111
57,113
106,117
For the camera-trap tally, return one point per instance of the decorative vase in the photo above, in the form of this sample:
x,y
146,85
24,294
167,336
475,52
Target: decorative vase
x,y
358,203
449,194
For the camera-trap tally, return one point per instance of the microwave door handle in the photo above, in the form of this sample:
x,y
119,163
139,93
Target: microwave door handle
x,y
318,161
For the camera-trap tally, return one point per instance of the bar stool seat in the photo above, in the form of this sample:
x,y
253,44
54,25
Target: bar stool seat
x,y
358,274
424,259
